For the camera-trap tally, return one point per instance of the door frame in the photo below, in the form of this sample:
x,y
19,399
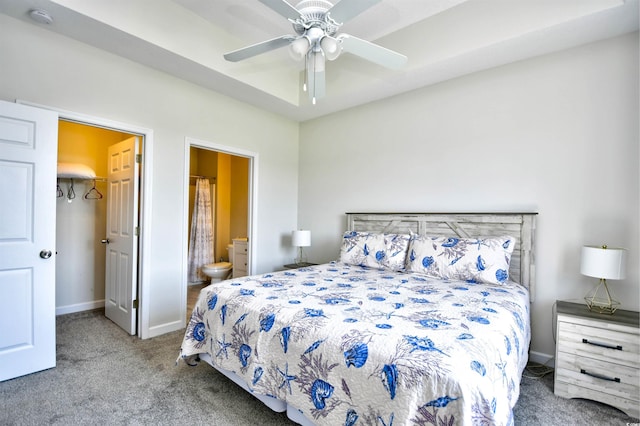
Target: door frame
x,y
252,226
145,189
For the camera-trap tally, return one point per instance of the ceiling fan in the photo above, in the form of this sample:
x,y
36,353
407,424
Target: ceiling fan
x,y
316,24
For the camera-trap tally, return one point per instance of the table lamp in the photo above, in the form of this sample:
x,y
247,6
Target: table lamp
x,y
300,239
604,263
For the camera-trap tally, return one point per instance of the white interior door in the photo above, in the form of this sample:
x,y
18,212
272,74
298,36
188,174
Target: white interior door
x,y
121,286
28,156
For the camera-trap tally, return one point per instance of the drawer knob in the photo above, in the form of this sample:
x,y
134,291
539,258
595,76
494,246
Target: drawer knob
x,y
602,345
600,376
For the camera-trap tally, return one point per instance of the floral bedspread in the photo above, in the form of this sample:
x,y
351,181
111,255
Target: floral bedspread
x,y
350,345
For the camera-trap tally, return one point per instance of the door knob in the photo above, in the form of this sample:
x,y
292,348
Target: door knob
x,y
45,254
105,241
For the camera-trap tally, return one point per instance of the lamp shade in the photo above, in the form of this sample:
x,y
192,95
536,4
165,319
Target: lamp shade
x,y
301,238
603,262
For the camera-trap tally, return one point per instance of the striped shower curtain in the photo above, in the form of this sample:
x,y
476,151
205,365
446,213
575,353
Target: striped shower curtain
x,y
201,236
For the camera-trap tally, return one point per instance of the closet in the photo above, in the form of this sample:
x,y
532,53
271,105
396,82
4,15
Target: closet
x,y
81,215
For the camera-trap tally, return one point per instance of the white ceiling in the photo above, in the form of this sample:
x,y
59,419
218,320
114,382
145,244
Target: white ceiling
x,y
443,39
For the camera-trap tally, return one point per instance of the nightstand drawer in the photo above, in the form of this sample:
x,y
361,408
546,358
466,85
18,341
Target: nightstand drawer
x,y
601,376
568,390
597,356
600,343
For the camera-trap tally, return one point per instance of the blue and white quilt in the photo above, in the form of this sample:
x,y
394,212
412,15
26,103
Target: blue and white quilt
x,y
351,345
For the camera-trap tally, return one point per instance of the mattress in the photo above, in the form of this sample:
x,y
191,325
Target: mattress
x,y
346,344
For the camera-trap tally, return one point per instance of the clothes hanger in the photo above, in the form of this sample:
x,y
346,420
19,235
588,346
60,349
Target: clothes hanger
x,y
93,193
59,193
71,194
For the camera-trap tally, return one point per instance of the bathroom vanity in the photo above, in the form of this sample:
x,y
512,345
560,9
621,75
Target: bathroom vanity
x,y
239,257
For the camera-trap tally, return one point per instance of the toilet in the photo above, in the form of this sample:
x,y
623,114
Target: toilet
x,y
221,270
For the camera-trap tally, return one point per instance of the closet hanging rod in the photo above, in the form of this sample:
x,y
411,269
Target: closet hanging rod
x,y
202,177
97,179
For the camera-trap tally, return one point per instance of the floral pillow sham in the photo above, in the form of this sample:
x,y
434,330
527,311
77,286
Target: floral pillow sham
x,y
469,259
384,251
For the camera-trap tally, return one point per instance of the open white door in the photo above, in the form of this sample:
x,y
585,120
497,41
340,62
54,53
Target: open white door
x,y
121,286
28,156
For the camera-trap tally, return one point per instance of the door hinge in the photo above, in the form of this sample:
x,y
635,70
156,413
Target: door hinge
x,y
138,158
135,304
136,231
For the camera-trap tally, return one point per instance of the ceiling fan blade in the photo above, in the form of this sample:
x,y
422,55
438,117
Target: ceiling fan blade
x,y
345,10
372,52
259,48
283,8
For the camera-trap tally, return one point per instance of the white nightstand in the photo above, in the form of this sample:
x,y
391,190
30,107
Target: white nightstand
x,y
598,356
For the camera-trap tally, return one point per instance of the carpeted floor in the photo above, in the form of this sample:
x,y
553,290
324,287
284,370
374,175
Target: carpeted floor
x,y
104,377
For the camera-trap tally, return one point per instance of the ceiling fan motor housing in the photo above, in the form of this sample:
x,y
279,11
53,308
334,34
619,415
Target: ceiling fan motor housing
x,y
313,13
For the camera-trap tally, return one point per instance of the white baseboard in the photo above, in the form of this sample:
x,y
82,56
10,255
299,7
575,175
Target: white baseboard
x,y
541,358
79,307
158,330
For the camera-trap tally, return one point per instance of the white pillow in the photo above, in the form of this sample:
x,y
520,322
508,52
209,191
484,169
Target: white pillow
x,y
75,170
483,259
386,251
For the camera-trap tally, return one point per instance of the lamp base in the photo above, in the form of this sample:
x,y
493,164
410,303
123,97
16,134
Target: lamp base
x,y
301,259
601,304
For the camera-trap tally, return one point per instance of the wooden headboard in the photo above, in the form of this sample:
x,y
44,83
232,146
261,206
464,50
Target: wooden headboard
x,y
465,225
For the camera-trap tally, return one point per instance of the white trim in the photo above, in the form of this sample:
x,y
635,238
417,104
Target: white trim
x,y
252,230
79,307
144,246
184,264
542,358
159,330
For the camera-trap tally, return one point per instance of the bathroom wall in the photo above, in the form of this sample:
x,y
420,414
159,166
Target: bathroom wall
x,y
223,205
80,223
239,196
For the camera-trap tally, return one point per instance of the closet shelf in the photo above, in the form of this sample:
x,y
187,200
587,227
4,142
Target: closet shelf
x,y
75,171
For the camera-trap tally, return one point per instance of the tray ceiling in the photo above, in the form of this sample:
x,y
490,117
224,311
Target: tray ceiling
x,y
443,39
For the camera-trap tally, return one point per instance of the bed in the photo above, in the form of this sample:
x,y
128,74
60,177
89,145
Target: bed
x,y
422,319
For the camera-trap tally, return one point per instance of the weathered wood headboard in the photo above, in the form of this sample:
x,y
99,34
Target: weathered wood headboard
x,y
519,225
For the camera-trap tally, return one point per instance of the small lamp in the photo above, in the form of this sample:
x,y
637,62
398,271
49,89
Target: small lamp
x,y
604,263
300,239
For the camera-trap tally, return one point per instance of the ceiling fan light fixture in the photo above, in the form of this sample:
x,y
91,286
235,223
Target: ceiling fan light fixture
x,y
331,47
299,48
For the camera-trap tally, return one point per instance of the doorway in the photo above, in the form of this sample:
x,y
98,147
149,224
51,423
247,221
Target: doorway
x,y
93,271
231,174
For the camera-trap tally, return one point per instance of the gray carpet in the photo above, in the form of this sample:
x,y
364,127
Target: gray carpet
x,y
103,376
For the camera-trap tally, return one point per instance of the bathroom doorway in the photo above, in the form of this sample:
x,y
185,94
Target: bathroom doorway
x,y
229,178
